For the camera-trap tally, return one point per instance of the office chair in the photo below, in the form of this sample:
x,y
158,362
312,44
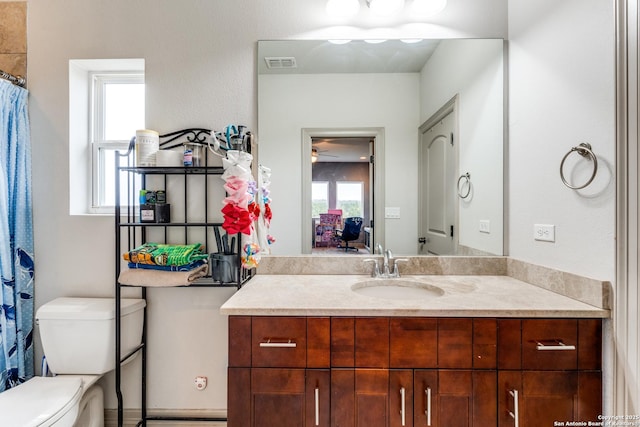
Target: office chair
x,y
350,232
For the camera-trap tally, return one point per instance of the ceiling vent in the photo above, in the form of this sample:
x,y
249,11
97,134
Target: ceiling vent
x,y
280,62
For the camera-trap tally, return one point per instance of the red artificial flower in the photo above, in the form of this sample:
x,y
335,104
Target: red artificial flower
x,y
267,212
254,210
236,220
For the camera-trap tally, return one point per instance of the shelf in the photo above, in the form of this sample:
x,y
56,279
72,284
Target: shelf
x,y
130,232
184,170
204,282
194,285
170,224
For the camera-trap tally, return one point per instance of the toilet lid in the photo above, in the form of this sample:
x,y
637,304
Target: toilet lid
x,y
39,401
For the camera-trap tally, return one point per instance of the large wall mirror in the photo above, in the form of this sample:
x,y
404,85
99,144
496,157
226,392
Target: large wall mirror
x,y
407,135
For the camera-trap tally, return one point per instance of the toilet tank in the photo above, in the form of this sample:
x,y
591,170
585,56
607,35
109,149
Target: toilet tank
x,y
78,334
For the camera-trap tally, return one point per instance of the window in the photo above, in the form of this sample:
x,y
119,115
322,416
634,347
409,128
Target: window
x,y
117,104
319,198
99,121
349,198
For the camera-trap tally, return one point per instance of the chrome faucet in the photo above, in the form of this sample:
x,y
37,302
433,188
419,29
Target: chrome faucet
x,y
387,256
386,272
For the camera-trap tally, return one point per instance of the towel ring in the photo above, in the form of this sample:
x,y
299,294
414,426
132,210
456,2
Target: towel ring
x,y
467,178
584,149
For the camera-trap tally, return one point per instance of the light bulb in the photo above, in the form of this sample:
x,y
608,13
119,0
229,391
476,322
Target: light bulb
x,y
385,7
428,7
342,8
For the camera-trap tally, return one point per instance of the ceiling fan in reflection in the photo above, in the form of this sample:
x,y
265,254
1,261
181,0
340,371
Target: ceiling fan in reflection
x,y
315,154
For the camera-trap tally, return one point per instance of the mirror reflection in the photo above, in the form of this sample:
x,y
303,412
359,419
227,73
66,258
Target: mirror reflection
x,y
408,138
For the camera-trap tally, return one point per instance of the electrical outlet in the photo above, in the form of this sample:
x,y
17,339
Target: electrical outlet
x,y
201,383
485,226
544,232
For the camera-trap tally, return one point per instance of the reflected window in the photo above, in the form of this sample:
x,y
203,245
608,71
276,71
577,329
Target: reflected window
x,y
350,198
319,198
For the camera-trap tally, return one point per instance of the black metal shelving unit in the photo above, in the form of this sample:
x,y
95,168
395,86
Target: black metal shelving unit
x,y
130,233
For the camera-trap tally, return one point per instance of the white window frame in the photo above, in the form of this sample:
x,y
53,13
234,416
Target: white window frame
x,y
99,145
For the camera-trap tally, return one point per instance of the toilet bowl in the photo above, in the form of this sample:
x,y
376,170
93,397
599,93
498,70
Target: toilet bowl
x,y
78,339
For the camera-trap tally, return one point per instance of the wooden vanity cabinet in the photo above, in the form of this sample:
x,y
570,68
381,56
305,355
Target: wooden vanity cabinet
x,y
549,371
278,372
411,372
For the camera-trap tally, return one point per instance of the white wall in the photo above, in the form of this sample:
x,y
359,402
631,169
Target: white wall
x,y
473,70
289,103
561,93
200,71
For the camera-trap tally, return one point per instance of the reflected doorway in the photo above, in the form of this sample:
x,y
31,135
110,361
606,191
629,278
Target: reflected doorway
x,y
438,154
340,181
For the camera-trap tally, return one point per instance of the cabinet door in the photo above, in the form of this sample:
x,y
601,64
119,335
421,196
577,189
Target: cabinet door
x,y
401,398
542,398
359,398
317,397
238,397
454,398
277,397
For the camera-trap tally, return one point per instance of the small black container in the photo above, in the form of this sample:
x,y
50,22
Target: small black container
x,y
163,212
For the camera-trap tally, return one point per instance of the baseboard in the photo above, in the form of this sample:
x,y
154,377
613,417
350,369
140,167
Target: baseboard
x,y
132,417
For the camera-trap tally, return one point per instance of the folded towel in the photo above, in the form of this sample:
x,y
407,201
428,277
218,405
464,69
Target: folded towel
x,y
163,254
149,277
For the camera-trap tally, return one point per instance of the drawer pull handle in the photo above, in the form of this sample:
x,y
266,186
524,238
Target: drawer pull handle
x,y
402,405
428,411
280,344
515,414
317,406
559,346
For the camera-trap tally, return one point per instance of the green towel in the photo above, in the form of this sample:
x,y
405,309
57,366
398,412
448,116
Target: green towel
x,y
162,254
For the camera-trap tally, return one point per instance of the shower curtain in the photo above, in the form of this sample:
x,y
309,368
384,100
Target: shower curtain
x,y
16,239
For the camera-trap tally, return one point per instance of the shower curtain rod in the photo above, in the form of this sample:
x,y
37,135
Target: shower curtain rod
x,y
16,80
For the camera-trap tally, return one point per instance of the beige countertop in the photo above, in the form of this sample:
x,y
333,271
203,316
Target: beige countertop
x,y
460,296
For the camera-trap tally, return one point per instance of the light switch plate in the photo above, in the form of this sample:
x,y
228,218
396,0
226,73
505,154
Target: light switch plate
x,y
392,212
485,226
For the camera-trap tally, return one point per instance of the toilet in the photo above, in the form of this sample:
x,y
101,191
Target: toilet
x,y
78,340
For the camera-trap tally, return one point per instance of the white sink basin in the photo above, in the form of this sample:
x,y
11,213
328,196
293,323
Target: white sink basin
x,y
396,289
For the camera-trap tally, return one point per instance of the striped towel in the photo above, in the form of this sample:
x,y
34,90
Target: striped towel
x,y
163,254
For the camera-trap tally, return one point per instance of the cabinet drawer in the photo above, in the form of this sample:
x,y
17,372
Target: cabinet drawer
x,y
279,342
414,342
550,344
455,343
372,342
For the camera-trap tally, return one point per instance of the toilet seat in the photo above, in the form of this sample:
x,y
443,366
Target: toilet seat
x,y
40,401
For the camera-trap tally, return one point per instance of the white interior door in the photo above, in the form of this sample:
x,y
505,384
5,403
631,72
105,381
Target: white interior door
x,y
437,225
